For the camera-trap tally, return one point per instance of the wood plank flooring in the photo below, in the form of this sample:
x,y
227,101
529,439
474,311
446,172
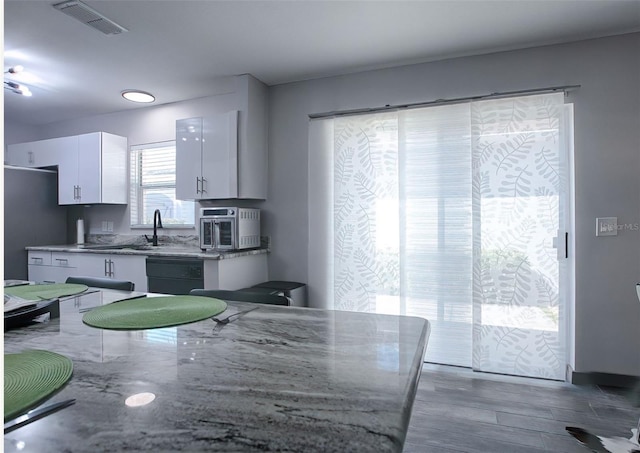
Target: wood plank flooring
x,y
456,410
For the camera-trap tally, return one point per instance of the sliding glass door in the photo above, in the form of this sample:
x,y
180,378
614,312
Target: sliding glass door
x,y
450,213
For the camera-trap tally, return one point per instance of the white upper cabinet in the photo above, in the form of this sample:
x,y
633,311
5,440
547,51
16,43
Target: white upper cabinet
x,y
92,168
42,153
224,156
206,157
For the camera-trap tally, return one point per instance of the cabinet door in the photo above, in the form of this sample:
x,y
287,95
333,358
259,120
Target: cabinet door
x,y
130,268
89,168
220,156
67,151
189,159
21,155
92,265
119,267
114,177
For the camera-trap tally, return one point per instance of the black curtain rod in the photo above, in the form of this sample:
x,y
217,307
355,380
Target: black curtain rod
x,y
564,88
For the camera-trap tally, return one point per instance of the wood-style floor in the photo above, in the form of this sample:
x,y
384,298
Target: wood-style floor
x,y
456,410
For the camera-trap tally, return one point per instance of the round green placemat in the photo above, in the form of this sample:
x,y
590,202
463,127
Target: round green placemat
x,y
46,291
30,377
153,312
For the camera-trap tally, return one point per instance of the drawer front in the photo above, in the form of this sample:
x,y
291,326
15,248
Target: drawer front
x,y
39,258
63,259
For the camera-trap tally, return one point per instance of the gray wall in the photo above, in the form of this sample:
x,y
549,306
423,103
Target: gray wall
x,y
607,165
31,216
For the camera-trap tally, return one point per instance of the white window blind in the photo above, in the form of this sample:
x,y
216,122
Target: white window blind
x,y
153,186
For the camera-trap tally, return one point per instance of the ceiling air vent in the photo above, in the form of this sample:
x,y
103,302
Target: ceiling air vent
x,y
90,17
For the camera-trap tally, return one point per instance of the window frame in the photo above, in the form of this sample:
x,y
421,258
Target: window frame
x,y
136,189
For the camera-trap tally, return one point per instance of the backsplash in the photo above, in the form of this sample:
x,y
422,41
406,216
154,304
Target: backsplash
x,y
190,240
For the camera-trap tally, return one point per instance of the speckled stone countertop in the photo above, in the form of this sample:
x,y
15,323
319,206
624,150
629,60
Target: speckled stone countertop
x,y
162,250
280,379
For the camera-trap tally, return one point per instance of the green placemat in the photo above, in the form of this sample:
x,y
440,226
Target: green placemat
x,y
153,312
30,377
41,292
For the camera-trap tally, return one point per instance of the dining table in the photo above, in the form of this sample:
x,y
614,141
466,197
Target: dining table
x,y
253,378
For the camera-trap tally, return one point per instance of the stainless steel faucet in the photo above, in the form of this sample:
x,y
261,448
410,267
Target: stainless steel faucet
x,y
157,223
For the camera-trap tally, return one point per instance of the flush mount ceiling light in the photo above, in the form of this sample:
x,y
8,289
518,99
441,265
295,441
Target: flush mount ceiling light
x,y
138,96
15,86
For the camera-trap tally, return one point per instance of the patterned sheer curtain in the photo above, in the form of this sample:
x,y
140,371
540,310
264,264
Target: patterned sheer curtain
x,y
519,181
448,213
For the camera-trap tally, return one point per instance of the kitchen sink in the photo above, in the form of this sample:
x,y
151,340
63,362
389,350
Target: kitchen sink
x,y
118,247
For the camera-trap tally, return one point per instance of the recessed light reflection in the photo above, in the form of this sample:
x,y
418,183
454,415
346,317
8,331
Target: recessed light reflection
x,y
140,399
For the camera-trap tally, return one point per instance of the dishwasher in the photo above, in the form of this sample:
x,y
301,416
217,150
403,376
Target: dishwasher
x,y
174,275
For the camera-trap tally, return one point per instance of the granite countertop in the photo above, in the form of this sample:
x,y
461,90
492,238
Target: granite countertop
x,y
275,379
161,250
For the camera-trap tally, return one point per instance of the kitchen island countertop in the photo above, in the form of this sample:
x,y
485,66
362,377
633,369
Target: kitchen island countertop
x,y
273,379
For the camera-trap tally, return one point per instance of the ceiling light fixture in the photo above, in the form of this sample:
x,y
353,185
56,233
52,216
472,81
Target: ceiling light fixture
x,y
138,96
15,86
90,17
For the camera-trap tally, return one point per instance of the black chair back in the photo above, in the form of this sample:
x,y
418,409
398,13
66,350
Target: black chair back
x,y
241,296
99,282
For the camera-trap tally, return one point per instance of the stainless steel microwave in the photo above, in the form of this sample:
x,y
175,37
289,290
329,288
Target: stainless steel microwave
x,y
229,228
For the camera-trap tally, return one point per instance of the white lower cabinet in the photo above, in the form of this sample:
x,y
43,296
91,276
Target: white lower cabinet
x,y
235,273
55,267
118,267
52,267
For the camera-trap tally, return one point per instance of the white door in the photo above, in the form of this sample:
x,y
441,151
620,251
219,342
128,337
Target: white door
x,y
220,156
129,268
68,184
189,158
90,168
21,155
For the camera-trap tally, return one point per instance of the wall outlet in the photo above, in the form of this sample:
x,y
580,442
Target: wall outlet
x,y
107,226
606,226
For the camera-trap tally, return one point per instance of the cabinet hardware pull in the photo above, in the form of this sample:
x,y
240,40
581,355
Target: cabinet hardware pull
x,y
106,272
197,185
79,193
30,157
203,189
36,259
63,260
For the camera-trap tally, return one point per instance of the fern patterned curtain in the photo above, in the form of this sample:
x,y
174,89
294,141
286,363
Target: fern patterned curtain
x,y
518,179
449,213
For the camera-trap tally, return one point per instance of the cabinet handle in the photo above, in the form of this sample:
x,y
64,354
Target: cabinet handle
x,y
37,259
197,185
30,153
75,192
79,193
62,261
202,189
108,268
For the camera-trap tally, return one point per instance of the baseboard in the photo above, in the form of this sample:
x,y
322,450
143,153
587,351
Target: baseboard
x,y
604,379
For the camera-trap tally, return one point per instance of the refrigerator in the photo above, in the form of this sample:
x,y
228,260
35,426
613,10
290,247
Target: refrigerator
x,y
32,216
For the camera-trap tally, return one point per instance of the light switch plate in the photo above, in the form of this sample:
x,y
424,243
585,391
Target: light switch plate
x,y
606,226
